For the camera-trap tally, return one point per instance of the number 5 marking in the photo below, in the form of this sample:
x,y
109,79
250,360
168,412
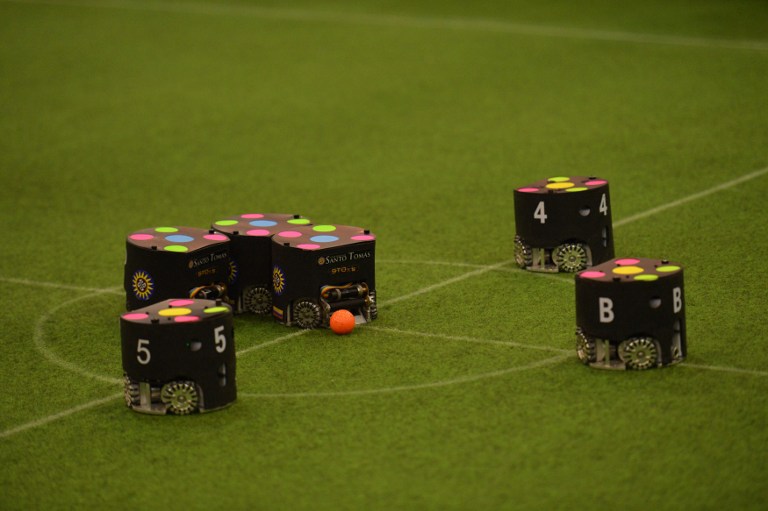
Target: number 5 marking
x,y
142,349
539,214
220,339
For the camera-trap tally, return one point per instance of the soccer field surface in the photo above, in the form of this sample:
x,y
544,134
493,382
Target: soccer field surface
x,y
416,120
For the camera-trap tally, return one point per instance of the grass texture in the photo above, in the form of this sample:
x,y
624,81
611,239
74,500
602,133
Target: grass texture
x,y
415,120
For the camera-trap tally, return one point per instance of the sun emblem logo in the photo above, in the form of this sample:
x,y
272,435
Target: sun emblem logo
x,y
143,285
278,280
232,272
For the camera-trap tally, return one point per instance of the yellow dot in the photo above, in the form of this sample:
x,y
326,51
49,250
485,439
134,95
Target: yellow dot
x,y
628,270
175,311
560,186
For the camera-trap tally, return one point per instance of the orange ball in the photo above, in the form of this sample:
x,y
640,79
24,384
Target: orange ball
x,y
342,322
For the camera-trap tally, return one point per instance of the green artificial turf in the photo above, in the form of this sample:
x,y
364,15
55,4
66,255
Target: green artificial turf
x,y
415,120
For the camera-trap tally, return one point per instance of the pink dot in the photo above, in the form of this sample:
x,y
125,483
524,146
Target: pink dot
x,y
181,303
528,190
135,316
258,232
215,237
363,237
289,234
253,215
591,274
626,262
186,319
308,246
141,237
596,182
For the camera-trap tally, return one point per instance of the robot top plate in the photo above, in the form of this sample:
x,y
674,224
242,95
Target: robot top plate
x,y
318,237
564,184
259,224
631,269
178,310
176,239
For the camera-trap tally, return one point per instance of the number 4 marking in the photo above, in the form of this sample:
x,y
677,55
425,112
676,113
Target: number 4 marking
x,y
220,339
539,214
604,206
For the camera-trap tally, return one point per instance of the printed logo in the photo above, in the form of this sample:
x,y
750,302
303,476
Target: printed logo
x,y
232,277
278,280
143,285
321,261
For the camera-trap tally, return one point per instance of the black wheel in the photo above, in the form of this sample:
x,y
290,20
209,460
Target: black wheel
x,y
570,257
258,300
374,308
585,348
307,314
131,389
523,253
180,397
639,353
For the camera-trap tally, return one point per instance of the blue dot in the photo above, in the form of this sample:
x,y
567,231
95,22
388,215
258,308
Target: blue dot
x,y
263,223
180,238
323,239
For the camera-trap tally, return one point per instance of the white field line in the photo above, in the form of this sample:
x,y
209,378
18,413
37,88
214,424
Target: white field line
x,y
753,372
54,285
56,416
405,21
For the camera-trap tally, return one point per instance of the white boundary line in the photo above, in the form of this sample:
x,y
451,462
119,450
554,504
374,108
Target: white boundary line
x,y
404,21
54,285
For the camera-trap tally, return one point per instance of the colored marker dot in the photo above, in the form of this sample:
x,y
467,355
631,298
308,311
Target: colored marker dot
x,y
215,237
226,222
176,248
141,237
628,270
180,303
647,277
253,215
560,186
263,223
559,179
214,310
324,228
324,239
258,232
528,190
177,311
166,229
577,189
135,316
180,238
626,262
186,319
596,182
667,269
289,234
592,274
308,246
363,237
298,221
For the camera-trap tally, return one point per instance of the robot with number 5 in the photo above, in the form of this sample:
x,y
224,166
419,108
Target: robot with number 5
x,y
563,224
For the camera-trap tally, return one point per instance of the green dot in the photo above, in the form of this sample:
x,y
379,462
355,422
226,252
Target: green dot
x,y
214,310
226,222
667,269
647,277
577,189
167,229
559,179
298,221
324,228
176,248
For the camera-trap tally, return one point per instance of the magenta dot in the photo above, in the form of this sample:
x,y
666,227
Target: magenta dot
x,y
258,232
141,237
186,319
308,246
626,262
596,182
135,316
253,215
592,274
528,190
181,303
215,237
363,237
290,234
